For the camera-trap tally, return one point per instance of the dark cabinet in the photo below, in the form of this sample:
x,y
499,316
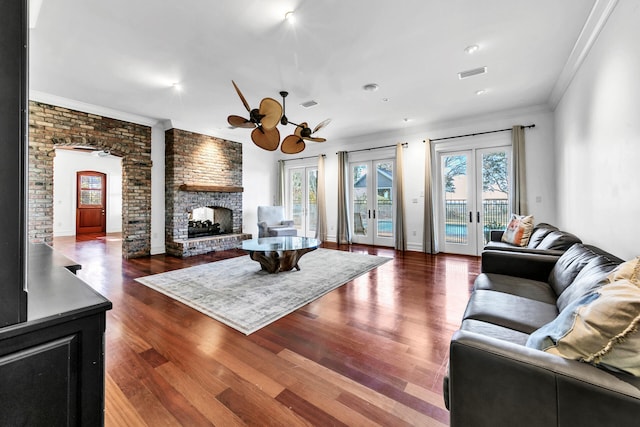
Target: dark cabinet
x,y
52,365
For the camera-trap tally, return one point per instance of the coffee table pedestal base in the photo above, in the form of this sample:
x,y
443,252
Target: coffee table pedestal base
x,y
277,261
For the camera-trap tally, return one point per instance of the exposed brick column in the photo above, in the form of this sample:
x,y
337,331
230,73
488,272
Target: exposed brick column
x,y
193,158
50,127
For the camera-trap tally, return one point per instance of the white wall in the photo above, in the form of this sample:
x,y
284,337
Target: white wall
x,y
539,151
598,140
157,189
65,165
260,180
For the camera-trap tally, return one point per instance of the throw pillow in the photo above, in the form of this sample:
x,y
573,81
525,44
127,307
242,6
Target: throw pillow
x,y
601,328
629,270
518,230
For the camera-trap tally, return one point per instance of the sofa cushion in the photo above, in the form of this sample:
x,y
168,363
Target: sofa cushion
x,y
532,289
518,230
592,276
540,231
558,240
494,331
629,270
510,311
601,328
569,265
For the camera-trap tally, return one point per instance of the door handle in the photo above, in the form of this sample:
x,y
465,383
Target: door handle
x,y
369,214
374,214
478,217
470,216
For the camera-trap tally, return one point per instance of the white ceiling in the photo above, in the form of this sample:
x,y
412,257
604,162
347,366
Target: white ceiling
x,y
125,55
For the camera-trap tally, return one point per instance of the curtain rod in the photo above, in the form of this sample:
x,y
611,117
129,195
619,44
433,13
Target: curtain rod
x,y
301,158
404,144
479,133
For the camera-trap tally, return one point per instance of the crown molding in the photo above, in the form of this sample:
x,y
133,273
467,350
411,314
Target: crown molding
x,y
72,104
596,21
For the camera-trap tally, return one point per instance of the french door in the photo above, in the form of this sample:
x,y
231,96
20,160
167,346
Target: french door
x,y
373,202
302,203
474,197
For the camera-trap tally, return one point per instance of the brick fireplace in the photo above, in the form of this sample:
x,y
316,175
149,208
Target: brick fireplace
x,y
202,173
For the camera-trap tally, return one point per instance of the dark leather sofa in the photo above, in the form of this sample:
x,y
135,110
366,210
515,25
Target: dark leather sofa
x,y
545,238
495,380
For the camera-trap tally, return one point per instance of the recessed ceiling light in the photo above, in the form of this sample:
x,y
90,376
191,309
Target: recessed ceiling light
x,y
481,92
290,17
471,49
177,86
371,87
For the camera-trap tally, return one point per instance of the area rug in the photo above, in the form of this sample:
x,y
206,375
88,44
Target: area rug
x,y
239,294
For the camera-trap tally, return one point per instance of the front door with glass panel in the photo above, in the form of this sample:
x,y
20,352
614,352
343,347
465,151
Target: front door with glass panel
x,y
91,202
302,203
372,202
474,197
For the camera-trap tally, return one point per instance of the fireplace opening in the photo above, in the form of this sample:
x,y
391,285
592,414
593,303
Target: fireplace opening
x,y
210,221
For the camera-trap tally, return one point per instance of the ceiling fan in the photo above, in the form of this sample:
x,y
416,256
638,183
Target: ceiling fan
x,y
263,119
294,144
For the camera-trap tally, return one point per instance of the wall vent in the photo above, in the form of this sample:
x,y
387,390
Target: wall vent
x,y
471,73
309,104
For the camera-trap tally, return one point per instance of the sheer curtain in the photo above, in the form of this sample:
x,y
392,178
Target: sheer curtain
x,y
429,235
281,180
401,234
519,199
343,232
321,226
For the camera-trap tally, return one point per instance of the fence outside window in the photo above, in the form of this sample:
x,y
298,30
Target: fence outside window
x,y
495,214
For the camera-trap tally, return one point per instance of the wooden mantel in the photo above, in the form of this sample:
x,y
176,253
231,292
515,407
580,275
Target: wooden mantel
x,y
211,188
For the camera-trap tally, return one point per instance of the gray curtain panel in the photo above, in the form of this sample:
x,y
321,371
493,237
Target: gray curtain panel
x,y
401,234
321,226
281,180
519,199
343,235
429,235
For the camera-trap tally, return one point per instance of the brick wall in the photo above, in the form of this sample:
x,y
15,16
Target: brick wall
x,y
197,159
51,126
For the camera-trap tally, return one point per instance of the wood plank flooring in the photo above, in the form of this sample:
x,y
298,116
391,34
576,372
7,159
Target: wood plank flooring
x,y
372,352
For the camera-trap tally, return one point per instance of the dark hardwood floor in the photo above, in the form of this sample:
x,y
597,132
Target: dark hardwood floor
x,y
372,352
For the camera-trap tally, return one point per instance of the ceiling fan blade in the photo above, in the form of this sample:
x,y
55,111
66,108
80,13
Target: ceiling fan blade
x,y
267,139
240,122
321,125
271,112
314,139
292,144
244,101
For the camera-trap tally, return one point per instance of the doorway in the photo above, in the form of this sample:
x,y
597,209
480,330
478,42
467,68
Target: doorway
x,y
373,201
474,197
302,202
91,202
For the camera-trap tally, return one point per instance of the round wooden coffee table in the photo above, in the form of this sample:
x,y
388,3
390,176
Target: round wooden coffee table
x,y
277,254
